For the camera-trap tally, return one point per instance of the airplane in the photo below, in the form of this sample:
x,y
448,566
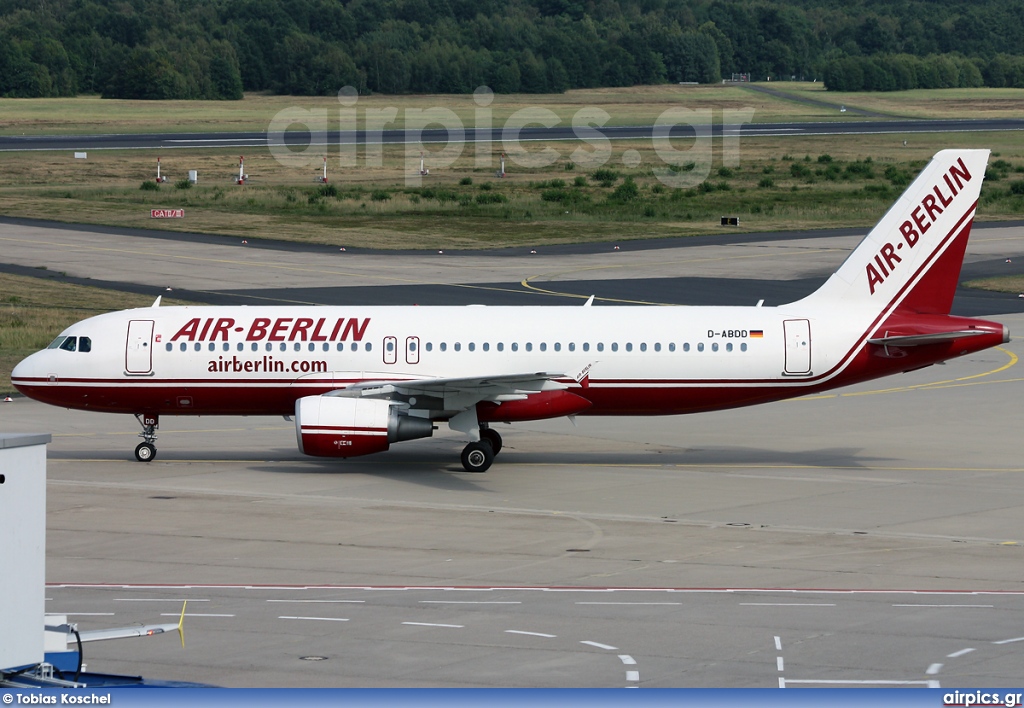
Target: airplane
x,y
357,379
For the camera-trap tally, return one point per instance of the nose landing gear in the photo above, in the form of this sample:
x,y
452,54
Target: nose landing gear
x,y
146,451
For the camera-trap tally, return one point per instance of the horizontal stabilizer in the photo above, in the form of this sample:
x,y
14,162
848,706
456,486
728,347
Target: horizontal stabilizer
x,y
917,340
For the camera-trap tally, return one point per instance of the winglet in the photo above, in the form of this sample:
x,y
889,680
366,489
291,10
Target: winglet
x,y
589,302
156,303
181,624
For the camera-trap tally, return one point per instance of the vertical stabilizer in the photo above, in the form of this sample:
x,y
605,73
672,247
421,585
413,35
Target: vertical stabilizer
x,y
911,260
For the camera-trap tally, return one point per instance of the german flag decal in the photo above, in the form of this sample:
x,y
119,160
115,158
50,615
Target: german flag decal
x,y
757,333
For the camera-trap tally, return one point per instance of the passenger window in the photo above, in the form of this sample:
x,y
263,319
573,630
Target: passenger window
x,y
198,346
390,346
327,347
70,344
700,346
226,346
615,346
241,346
600,346
472,346
368,346
643,346
743,347
714,346
572,346
341,346
657,346
84,344
296,346
728,347
458,346
169,346
312,347
487,347
686,347
586,346
501,346
672,347
629,346
283,346
184,346
212,346
529,346
543,346
558,346
355,347
444,346
515,346
430,346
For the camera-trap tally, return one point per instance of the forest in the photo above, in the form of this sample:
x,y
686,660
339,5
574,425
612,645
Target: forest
x,y
218,49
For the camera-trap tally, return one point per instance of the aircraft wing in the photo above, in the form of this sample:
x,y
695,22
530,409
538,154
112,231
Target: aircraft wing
x,y
147,630
459,393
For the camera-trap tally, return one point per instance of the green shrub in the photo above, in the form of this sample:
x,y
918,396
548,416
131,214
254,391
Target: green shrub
x,y
605,176
466,181
486,186
328,190
579,181
1017,188
725,172
824,158
149,186
766,183
183,183
491,198
627,191
380,195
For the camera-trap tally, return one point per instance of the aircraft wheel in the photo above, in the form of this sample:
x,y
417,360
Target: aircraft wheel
x,y
491,436
145,452
477,456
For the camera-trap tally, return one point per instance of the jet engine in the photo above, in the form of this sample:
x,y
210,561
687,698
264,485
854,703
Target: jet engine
x,y
335,426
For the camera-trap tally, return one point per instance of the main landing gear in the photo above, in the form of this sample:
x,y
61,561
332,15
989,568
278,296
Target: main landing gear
x,y
146,451
478,456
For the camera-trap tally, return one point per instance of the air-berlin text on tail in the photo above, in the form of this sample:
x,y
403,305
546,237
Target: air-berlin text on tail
x,y
280,329
921,219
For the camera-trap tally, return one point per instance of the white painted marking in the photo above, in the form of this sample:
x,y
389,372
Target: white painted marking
x,y
531,634
959,653
85,614
157,599
981,606
1010,641
864,682
628,603
778,663
471,602
600,646
782,682
326,602
632,675
788,604
428,624
778,643
933,669
627,659
191,614
316,619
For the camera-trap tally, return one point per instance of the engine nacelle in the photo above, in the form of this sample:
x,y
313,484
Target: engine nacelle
x,y
335,426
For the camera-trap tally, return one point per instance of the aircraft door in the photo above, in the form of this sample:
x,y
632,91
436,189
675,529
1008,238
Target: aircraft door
x,y
798,346
412,350
390,350
138,357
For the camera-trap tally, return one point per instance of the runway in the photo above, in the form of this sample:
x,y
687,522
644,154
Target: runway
x,y
868,536
299,138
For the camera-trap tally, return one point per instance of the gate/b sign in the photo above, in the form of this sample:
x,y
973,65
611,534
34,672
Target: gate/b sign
x,y
167,213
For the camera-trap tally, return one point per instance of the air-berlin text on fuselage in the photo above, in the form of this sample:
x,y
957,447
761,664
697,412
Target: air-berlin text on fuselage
x,y
280,329
921,219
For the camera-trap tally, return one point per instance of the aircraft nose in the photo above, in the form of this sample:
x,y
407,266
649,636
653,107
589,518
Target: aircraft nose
x,y
25,369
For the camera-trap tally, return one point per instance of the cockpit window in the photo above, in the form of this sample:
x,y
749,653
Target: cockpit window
x,y
84,344
56,343
70,344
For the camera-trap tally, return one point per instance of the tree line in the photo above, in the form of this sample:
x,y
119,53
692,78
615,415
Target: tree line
x,y
216,49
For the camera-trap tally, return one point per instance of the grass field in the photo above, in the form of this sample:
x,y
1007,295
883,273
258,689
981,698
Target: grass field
x,y
1003,284
31,316
920,103
781,183
638,105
